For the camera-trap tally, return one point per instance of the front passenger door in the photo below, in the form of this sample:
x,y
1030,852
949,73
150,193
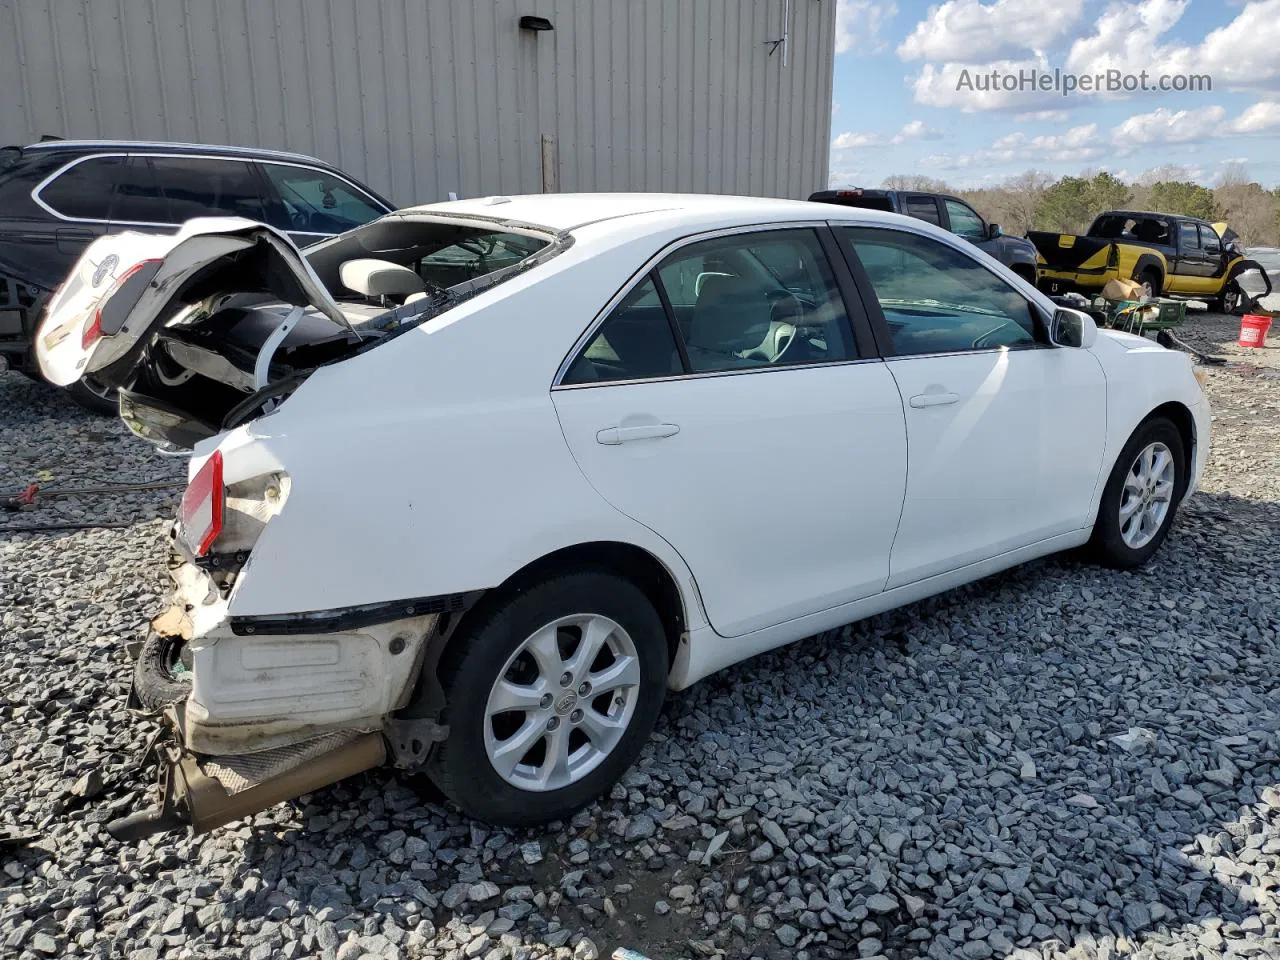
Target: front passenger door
x,y
1005,432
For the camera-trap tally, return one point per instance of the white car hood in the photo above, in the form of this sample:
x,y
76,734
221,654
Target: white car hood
x,y
195,248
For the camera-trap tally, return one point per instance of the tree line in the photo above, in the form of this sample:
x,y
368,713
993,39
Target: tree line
x,y
1037,201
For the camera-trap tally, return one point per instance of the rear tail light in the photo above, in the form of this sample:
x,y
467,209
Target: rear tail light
x,y
202,506
93,329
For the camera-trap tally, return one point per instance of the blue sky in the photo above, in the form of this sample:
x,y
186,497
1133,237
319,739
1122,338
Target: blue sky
x,y
897,108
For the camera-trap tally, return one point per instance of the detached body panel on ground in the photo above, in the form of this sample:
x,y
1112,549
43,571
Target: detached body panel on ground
x,y
614,443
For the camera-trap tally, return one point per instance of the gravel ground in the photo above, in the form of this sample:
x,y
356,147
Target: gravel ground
x,y
1060,761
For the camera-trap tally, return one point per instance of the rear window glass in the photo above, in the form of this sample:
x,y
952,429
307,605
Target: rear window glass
x,y
442,254
84,191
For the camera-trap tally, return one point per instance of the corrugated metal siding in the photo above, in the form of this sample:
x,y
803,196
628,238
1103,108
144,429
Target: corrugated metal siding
x,y
423,97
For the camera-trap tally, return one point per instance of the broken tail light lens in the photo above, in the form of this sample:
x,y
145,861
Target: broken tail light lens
x,y
202,506
93,329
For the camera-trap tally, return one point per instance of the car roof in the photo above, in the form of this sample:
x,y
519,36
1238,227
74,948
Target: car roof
x,y
568,211
82,146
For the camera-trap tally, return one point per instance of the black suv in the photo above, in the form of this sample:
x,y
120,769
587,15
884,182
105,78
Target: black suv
x,y
57,196
950,213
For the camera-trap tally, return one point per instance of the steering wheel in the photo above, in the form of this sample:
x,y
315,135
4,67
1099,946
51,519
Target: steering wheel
x,y
298,219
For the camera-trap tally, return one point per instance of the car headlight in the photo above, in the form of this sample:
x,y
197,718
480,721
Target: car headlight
x,y
1201,375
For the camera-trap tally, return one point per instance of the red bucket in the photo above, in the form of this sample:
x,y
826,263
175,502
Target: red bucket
x,y
1253,330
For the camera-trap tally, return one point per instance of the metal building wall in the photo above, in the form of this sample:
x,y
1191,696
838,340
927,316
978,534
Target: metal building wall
x,y
423,97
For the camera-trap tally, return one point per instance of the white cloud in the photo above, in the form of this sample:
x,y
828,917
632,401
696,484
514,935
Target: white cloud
x,y
1168,126
859,24
915,130
1042,116
1078,145
973,30
1126,38
1262,117
1241,54
940,85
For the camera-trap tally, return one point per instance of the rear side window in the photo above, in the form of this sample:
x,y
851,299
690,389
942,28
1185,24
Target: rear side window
x,y
739,302
84,191
923,208
634,342
207,187
1188,236
138,197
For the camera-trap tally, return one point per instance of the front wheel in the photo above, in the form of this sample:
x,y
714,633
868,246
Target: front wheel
x,y
1229,302
1141,496
551,695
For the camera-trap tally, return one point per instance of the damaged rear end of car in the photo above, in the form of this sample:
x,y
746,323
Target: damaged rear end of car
x,y
203,335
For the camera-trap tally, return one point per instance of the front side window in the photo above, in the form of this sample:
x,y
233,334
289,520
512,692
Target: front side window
x,y
936,299
964,222
923,208
84,191
312,201
207,187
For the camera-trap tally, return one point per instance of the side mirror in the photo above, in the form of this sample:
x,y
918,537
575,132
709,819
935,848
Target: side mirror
x,y
993,231
1071,328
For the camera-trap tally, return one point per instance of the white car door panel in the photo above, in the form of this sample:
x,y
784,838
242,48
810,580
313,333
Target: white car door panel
x,y
1004,449
781,489
1005,432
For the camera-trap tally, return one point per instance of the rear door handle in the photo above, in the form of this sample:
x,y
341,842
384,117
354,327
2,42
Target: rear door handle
x,y
611,436
933,399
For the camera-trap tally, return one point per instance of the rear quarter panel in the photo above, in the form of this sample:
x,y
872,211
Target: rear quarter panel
x,y
435,463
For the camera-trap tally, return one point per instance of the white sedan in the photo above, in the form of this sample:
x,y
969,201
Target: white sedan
x,y
474,485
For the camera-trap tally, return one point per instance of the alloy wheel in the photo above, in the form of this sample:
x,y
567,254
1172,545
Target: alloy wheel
x,y
562,702
1147,495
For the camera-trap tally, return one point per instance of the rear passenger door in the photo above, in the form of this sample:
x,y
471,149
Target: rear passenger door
x,y
724,402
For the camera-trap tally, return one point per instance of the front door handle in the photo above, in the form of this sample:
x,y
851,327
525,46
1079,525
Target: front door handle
x,y
611,436
933,399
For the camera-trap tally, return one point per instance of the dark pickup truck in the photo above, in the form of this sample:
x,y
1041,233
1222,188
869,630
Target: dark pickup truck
x,y
950,213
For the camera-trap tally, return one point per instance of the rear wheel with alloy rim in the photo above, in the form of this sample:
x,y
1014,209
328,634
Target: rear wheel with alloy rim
x,y
551,694
1141,496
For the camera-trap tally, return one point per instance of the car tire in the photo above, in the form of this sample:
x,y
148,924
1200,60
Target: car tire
x,y
161,675
551,617
1131,526
1229,302
1150,280
100,400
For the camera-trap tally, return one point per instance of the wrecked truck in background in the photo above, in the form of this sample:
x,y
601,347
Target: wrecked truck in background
x,y
1167,255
